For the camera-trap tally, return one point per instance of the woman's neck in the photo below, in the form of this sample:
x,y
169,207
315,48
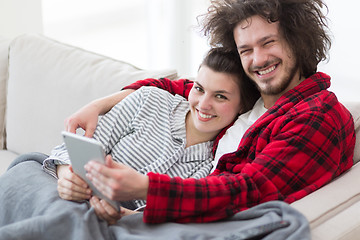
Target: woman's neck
x,y
193,135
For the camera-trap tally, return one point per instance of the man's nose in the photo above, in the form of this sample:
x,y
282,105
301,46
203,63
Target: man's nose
x,y
259,57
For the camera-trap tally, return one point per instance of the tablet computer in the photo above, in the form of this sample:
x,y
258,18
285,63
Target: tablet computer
x,y
81,150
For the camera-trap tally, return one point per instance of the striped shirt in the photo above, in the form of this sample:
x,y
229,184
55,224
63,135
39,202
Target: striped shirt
x,y
147,132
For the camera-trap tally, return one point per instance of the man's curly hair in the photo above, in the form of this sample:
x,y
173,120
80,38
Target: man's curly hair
x,y
302,24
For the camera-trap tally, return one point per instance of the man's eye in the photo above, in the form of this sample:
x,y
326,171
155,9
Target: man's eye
x,y
242,52
269,42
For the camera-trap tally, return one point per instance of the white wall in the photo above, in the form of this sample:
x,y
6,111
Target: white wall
x,y
116,28
20,16
345,51
152,34
174,36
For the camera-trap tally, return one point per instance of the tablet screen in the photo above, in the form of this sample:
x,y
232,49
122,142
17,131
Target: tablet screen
x,y
82,150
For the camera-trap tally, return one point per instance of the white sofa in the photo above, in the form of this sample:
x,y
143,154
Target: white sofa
x,y
42,81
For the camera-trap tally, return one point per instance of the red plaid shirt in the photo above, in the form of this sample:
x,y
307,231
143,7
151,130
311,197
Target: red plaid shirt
x,y
300,144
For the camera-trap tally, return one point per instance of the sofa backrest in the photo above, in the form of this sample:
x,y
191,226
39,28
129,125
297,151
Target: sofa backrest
x,y
49,80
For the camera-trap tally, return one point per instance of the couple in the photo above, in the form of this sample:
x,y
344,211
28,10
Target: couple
x,y
302,137
303,140
152,130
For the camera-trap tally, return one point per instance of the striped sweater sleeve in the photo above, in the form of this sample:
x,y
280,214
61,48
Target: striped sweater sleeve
x,y
115,124
110,128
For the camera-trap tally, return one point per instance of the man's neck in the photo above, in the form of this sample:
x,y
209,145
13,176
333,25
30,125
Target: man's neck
x,y
270,100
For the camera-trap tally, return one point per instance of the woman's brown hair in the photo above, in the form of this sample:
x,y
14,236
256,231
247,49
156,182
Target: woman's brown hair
x,y
228,61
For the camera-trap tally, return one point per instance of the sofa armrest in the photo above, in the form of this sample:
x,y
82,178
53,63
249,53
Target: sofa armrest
x,y
336,202
4,46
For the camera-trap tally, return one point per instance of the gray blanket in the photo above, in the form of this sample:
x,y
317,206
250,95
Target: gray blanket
x,y
31,209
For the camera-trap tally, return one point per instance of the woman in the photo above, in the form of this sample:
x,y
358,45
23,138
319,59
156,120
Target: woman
x,y
175,138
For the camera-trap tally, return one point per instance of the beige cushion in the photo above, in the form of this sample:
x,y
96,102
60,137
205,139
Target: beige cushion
x,y
4,46
343,226
331,203
49,80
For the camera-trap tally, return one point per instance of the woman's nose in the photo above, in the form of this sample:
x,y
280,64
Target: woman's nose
x,y
205,102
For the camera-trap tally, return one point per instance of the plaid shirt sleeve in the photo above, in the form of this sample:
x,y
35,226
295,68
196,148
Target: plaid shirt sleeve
x,y
181,86
282,157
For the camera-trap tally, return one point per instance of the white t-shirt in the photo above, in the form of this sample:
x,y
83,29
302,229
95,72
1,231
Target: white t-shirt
x,y
230,141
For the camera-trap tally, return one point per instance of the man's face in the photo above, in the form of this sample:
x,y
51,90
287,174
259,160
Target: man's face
x,y
266,57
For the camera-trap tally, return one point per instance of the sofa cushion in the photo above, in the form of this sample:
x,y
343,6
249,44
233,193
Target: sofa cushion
x,y
343,226
4,46
332,204
49,80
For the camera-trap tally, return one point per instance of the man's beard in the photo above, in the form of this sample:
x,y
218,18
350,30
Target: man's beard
x,y
270,90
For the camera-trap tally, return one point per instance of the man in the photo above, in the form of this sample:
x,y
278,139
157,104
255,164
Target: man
x,y
303,140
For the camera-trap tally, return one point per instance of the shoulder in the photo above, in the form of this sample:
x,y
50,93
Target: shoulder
x,y
322,110
324,103
159,97
147,93
155,93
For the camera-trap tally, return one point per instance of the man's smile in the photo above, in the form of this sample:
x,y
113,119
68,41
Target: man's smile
x,y
266,71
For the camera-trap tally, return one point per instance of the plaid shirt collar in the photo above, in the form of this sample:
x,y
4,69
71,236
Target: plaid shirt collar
x,y
315,83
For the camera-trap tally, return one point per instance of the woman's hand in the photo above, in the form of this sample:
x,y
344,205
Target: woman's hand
x,y
117,181
71,186
106,212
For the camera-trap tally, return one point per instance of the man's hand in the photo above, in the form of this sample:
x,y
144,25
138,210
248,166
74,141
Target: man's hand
x,y
87,116
71,186
117,181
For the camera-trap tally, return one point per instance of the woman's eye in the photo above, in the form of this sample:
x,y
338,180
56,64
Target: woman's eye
x,y
219,96
199,89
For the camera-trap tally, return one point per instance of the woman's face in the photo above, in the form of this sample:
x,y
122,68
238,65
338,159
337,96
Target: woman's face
x,y
214,100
